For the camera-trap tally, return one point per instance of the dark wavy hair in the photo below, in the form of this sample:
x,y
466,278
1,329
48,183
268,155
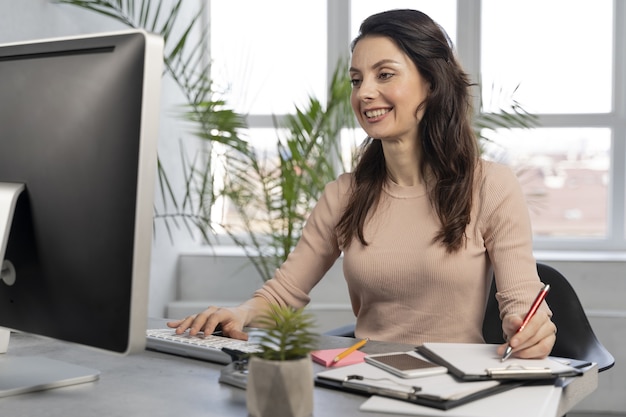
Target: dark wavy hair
x,y
449,152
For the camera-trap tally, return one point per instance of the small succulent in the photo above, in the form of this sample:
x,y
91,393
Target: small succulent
x,y
285,333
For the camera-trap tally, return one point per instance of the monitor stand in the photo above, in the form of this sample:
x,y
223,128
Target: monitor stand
x,y
22,374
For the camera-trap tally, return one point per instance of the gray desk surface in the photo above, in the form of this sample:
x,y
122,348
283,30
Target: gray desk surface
x,y
156,384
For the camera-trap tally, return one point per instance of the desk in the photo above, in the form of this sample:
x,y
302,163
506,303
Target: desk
x,y
160,385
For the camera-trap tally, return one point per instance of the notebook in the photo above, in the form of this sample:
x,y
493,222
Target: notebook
x,y
479,361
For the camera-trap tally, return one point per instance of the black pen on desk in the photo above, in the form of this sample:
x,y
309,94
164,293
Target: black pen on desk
x,y
351,349
533,309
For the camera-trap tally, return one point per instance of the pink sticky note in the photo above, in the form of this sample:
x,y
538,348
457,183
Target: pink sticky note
x,y
326,356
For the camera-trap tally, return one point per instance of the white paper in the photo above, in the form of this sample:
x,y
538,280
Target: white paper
x,y
475,358
525,401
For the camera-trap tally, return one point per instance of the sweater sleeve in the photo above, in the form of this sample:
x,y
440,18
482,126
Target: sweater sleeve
x,y
314,254
508,238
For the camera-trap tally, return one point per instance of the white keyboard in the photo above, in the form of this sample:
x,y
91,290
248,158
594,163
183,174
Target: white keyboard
x,y
204,347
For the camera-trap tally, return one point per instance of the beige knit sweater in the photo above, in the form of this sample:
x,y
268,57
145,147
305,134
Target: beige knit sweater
x,y
404,288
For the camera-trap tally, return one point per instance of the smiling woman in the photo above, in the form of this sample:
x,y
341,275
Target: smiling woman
x,y
421,218
388,96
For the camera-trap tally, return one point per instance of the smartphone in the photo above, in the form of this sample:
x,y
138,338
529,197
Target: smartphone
x,y
405,364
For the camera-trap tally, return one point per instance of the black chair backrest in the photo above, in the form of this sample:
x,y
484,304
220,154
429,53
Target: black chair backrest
x,y
575,338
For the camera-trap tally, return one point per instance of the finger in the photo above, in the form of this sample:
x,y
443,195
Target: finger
x,y
538,344
181,325
211,322
534,340
176,323
173,324
501,349
539,350
230,321
538,327
199,322
510,325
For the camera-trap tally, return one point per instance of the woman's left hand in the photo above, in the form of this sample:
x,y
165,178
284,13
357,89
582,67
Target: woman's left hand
x,y
535,341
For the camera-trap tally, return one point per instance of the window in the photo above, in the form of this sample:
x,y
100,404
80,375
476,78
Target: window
x,y
268,54
564,65
564,71
565,175
564,59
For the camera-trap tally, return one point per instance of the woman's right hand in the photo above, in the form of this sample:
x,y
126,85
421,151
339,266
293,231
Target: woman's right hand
x,y
232,321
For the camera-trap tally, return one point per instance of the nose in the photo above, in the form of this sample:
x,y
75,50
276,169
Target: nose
x,y
367,90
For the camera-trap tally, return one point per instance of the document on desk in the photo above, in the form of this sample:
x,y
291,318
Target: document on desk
x,y
534,400
442,391
479,361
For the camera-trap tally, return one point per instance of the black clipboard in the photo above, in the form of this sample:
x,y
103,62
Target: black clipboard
x,y
364,379
416,399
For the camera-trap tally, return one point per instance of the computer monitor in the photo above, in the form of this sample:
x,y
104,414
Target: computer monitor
x,y
79,119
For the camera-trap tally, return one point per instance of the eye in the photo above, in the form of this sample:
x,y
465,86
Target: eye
x,y
355,82
385,75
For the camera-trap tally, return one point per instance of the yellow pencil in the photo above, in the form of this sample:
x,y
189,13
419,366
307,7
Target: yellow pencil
x,y
350,350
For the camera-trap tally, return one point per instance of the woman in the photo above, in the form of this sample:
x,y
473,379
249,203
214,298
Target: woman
x,y
422,220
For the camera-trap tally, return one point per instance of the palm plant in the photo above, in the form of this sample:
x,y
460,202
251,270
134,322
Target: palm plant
x,y
273,194
510,115
185,62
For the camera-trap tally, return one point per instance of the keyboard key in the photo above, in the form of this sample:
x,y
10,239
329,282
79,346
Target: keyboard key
x,y
201,346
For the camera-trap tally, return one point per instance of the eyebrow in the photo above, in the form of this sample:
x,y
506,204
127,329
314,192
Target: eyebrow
x,y
378,64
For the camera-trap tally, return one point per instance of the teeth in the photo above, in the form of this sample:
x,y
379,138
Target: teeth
x,y
376,113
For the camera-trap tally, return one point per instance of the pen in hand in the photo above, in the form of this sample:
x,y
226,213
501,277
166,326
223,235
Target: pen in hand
x,y
533,309
351,349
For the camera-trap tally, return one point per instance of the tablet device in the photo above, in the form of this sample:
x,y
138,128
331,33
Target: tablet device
x,y
405,364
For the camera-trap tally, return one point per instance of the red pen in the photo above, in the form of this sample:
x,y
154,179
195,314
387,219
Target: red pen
x,y
533,309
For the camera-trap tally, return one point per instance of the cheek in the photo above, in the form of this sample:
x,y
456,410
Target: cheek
x,y
414,103
354,102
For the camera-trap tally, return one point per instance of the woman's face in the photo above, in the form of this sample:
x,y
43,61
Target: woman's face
x,y
387,89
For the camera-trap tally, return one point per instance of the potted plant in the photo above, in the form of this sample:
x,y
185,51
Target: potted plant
x,y
280,375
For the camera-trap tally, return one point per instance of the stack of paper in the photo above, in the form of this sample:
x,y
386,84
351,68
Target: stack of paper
x,y
535,401
478,383
442,391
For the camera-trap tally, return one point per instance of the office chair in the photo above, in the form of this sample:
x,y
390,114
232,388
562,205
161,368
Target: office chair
x,y
575,338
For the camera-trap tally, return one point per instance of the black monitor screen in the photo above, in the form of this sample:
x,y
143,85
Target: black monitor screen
x,y
78,128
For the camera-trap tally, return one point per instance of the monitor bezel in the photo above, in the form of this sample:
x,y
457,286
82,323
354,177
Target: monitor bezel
x,y
146,175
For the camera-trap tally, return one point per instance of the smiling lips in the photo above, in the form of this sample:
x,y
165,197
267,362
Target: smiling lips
x,y
372,114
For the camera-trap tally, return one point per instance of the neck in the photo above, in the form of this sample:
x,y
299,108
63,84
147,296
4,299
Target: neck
x,y
403,165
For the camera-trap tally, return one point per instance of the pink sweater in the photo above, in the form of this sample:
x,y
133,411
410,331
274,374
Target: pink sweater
x,y
403,288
